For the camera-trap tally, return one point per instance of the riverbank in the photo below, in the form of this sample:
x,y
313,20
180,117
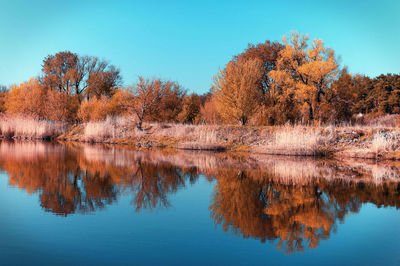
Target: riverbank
x,y
329,141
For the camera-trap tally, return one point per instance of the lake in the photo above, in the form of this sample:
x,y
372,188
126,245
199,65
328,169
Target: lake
x,y
76,204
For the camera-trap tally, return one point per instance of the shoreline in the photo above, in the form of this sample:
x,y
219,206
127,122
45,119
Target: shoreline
x,y
376,143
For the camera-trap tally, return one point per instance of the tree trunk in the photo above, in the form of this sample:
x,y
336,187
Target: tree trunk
x,y
243,120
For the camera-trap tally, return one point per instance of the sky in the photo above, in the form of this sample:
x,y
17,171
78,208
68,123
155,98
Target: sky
x,y
189,41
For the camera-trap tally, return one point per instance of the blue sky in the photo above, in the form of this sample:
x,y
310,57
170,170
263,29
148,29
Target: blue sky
x,y
188,41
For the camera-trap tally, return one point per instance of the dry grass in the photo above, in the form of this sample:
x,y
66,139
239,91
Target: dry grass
x,y
111,128
296,137
385,142
297,140
351,141
30,128
389,120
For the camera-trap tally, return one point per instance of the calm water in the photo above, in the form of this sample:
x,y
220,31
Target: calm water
x,y
84,204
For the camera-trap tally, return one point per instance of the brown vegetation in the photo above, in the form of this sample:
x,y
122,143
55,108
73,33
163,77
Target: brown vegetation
x,y
271,83
296,83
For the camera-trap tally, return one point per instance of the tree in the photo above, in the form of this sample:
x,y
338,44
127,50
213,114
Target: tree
x,y
28,98
103,83
3,93
190,109
385,94
84,76
344,97
267,53
60,72
34,99
236,92
363,102
208,111
147,96
61,106
170,104
305,72
98,109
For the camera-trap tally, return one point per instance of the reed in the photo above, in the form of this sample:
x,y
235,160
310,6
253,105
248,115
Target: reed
x,y
30,128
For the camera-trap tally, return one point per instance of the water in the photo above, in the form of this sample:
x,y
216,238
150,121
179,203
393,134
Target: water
x,y
99,205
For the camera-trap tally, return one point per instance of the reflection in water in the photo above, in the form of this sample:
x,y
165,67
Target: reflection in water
x,y
298,214
296,202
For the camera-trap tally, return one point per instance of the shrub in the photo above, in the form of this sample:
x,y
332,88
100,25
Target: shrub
x,y
28,98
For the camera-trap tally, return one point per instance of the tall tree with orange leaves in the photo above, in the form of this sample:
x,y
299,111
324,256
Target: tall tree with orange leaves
x,y
236,90
304,71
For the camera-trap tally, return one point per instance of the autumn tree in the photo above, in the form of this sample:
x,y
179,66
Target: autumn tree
x,y
267,53
208,112
3,93
386,94
103,82
306,72
84,76
170,104
28,98
235,90
343,97
363,86
147,95
191,109
61,106
34,99
97,109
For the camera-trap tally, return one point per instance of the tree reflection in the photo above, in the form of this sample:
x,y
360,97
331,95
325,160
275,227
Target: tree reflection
x,y
69,182
152,183
296,214
295,203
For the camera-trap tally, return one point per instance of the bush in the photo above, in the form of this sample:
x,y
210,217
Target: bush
x,y
98,109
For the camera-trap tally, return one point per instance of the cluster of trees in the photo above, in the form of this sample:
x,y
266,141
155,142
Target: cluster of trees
x,y
84,88
296,81
299,82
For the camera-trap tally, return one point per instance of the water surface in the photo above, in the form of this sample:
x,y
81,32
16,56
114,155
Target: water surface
x,y
63,204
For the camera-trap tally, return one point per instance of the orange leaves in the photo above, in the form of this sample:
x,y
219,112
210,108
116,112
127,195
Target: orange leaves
x,y
27,98
306,72
236,90
156,99
97,109
79,75
33,99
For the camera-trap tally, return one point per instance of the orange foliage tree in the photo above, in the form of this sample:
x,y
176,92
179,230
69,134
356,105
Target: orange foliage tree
x,y
208,112
153,99
304,72
28,98
190,109
236,90
83,76
97,109
3,93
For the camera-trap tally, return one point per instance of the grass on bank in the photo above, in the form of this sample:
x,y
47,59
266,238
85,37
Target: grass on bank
x,y
352,141
30,128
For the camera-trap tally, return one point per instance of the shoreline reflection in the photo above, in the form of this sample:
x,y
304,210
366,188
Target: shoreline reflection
x,y
295,201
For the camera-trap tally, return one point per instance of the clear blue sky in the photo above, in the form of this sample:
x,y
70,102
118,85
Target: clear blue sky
x,y
188,41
